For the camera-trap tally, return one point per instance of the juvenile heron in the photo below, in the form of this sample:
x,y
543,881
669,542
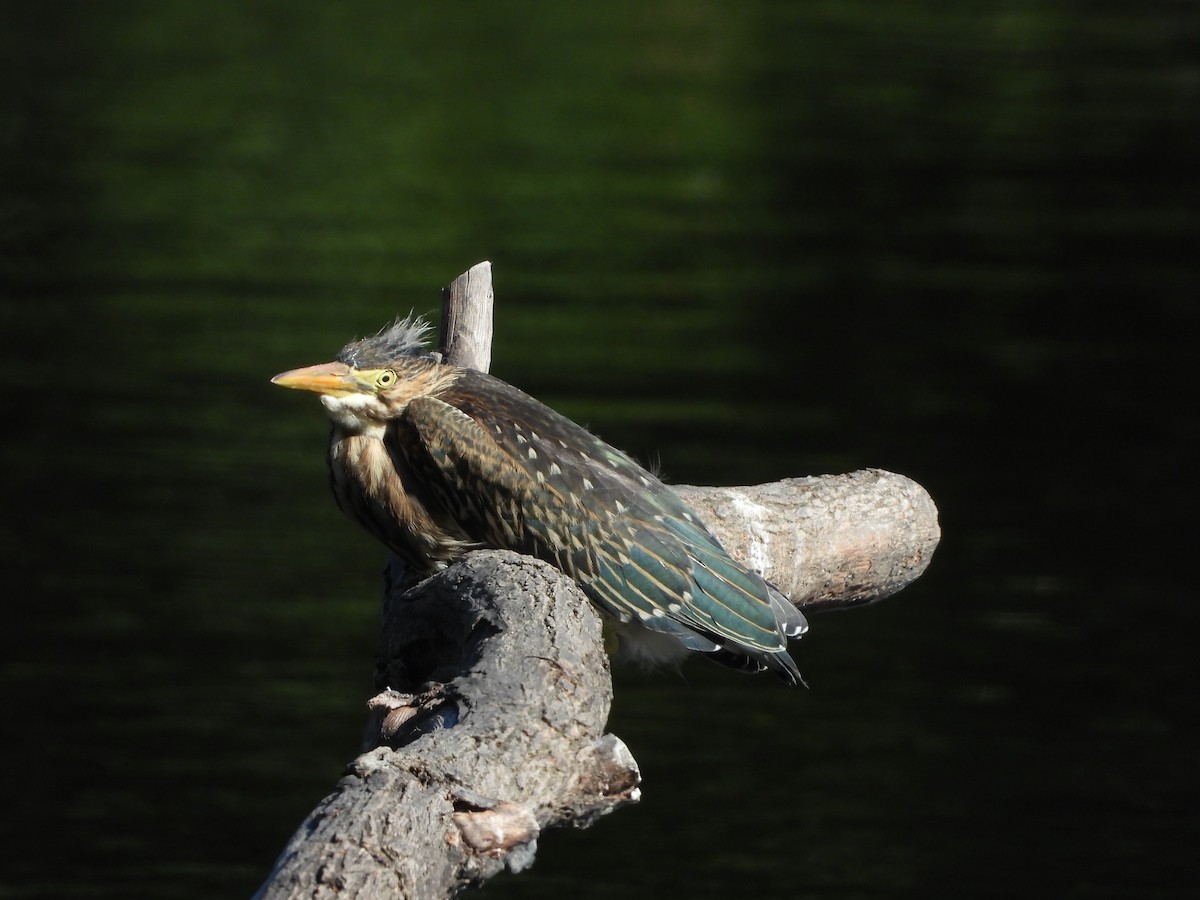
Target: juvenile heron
x,y
436,460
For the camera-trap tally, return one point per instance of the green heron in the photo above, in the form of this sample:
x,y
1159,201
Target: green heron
x,y
436,460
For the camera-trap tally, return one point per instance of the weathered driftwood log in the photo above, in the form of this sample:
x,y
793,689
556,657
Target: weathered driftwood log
x,y
828,542
466,332
492,725
493,731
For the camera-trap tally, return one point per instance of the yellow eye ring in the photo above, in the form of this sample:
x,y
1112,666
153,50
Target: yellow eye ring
x,y
386,378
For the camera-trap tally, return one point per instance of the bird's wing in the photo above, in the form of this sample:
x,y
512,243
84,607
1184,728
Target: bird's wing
x,y
521,476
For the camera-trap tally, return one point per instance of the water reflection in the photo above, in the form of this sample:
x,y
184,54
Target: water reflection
x,y
758,243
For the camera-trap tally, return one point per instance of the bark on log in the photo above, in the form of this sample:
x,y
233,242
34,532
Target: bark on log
x,y
828,542
493,730
466,332
491,727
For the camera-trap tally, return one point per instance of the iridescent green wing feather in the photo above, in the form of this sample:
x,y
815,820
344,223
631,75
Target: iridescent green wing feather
x,y
526,478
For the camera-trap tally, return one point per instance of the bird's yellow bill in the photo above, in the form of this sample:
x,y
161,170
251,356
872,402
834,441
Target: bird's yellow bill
x,y
327,378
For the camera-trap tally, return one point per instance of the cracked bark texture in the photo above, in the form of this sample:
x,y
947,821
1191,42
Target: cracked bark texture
x,y
828,542
500,662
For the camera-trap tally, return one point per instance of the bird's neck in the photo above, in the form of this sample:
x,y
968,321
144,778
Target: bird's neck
x,y
351,415
355,456
379,492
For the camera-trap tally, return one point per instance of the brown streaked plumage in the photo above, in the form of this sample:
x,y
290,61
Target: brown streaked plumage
x,y
436,460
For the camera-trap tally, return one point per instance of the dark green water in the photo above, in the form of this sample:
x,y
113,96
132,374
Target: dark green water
x,y
957,241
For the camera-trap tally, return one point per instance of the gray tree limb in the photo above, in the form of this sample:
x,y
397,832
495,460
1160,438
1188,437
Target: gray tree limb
x,y
493,730
466,332
828,542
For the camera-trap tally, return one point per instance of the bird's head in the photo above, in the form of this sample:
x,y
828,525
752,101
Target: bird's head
x,y
373,379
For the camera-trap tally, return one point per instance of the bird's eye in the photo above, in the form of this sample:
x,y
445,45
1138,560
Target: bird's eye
x,y
386,378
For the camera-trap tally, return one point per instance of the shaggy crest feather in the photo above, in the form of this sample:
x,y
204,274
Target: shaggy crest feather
x,y
404,337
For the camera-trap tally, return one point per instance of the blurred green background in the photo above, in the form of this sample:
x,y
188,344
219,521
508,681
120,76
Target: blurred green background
x,y
752,240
